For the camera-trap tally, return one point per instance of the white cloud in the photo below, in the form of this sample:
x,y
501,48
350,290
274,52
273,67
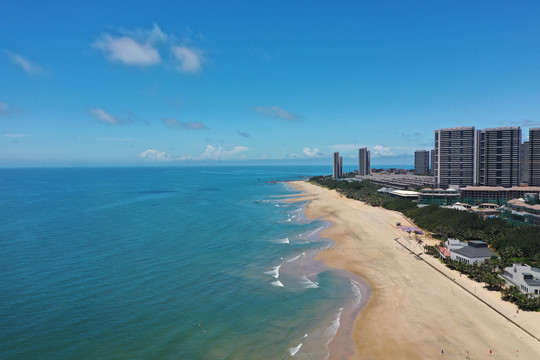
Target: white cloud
x,y
189,125
146,47
376,150
189,59
380,150
128,51
155,155
28,66
104,117
218,153
277,112
311,152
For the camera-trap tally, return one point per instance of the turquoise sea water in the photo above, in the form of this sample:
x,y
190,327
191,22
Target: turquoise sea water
x,y
163,263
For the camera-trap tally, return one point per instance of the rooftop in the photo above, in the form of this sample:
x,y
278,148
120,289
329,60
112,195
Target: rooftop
x,y
473,252
521,203
500,188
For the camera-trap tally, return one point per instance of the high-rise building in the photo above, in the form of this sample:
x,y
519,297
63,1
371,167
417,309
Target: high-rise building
x,y
364,161
524,163
421,162
498,157
455,161
534,157
337,166
432,167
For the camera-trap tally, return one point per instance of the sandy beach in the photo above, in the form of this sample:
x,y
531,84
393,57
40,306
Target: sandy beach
x,y
418,309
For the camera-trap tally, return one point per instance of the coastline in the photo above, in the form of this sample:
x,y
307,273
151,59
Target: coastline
x,y
417,309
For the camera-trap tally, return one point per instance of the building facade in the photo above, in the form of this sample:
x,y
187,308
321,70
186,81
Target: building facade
x,y
337,169
498,156
499,195
473,252
432,164
524,163
455,160
421,162
364,161
534,157
525,277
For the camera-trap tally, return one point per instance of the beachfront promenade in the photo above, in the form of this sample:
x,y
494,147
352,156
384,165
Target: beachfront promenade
x,y
419,308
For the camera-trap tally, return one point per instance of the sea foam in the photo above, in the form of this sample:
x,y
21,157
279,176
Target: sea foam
x,y
308,284
356,290
282,241
274,272
294,350
332,330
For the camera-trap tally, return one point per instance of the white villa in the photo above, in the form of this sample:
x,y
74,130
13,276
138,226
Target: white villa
x,y
467,252
526,278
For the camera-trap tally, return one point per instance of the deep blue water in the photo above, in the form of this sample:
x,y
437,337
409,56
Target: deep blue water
x,y
162,263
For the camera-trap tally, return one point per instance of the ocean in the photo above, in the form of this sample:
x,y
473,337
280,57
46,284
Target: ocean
x,y
165,263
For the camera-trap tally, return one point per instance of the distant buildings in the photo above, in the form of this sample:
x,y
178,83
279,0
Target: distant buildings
x,y
399,181
455,161
465,156
522,211
364,161
498,152
534,157
524,162
421,162
432,166
338,166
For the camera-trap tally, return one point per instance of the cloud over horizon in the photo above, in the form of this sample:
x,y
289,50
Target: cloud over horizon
x,y
155,155
276,112
311,152
376,150
28,66
218,153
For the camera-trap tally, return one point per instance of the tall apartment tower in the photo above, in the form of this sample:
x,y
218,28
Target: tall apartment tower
x,y
432,166
421,162
534,157
364,161
337,172
524,163
455,161
498,156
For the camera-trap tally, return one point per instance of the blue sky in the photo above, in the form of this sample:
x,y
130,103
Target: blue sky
x,y
266,82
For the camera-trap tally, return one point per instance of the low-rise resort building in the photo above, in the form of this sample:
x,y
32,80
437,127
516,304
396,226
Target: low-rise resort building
x,y
522,212
467,252
526,278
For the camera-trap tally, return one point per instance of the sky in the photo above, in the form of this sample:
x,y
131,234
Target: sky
x,y
258,82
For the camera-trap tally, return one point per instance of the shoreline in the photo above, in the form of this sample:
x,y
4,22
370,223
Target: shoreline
x,y
414,311
342,342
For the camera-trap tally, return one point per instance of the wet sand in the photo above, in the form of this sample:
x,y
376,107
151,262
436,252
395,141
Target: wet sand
x,y
416,311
